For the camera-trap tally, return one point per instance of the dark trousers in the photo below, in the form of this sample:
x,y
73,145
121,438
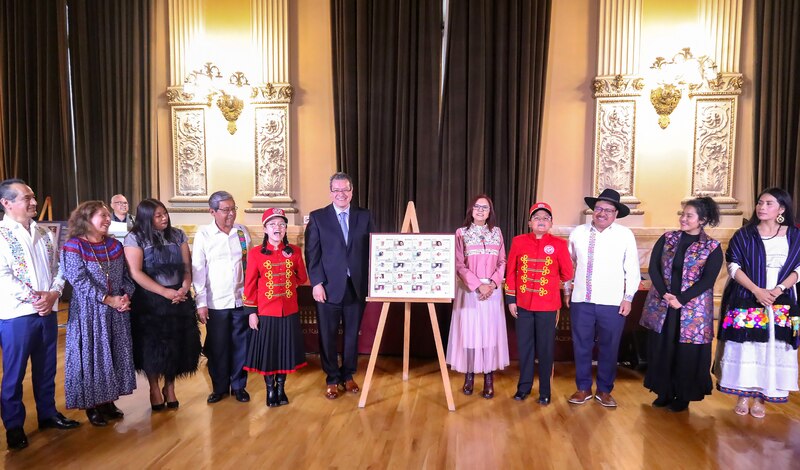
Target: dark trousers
x,y
227,331
329,315
536,331
605,323
34,337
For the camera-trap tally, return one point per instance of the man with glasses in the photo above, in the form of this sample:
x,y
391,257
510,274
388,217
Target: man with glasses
x,y
337,259
607,276
121,221
219,255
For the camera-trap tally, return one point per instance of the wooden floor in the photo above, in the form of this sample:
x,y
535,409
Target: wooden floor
x,y
407,426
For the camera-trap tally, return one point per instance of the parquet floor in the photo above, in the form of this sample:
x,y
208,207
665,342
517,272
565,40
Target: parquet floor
x,y
406,425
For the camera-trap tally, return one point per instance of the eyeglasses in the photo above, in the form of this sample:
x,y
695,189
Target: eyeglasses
x,y
120,203
274,225
228,210
341,191
542,219
479,207
607,210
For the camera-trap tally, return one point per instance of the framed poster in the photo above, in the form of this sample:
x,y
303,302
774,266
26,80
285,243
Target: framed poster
x,y
417,266
59,229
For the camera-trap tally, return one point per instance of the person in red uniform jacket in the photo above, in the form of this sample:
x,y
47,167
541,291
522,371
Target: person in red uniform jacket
x,y
536,266
274,270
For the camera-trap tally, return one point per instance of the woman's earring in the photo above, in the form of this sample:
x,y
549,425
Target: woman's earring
x,y
780,218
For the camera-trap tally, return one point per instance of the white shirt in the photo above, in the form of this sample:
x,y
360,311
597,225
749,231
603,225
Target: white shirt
x,y
607,272
25,267
217,272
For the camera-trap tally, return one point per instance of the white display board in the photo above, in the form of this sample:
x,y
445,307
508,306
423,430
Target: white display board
x,y
412,266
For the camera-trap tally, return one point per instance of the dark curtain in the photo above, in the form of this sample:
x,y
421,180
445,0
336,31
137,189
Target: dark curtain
x,y
386,64
110,57
777,96
492,108
34,129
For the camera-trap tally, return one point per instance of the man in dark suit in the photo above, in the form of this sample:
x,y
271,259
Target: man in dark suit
x,y
337,259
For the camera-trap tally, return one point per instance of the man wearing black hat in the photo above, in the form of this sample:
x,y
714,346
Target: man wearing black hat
x,y
607,275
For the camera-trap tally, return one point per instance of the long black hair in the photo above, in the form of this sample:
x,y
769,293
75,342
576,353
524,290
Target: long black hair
x,y
784,199
143,227
707,210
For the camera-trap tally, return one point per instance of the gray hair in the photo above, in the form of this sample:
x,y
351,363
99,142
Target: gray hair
x,y
7,192
340,176
217,197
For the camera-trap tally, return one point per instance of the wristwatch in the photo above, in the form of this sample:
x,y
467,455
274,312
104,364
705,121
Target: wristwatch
x,y
781,287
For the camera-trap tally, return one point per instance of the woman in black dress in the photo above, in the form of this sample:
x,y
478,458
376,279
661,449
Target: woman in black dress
x,y
679,309
166,338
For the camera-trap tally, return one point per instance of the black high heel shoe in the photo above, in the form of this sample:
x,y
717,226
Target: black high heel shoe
x,y
170,404
110,411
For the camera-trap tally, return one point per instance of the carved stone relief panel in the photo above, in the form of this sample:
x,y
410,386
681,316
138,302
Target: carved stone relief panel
x,y
714,137
272,152
615,146
189,150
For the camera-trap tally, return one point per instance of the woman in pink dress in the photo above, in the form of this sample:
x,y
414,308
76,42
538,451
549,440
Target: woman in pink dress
x,y
478,340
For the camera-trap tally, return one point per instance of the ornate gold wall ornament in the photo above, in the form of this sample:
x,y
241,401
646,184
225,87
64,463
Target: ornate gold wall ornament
x,y
721,84
207,81
272,93
189,150
682,70
615,147
618,85
714,139
272,153
231,108
665,99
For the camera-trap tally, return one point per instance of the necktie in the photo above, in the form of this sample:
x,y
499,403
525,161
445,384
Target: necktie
x,y
343,223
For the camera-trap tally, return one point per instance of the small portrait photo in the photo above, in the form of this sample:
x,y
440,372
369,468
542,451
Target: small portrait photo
x,y
398,243
399,265
437,265
438,243
379,287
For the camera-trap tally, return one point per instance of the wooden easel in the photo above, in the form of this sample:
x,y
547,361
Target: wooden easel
x,y
410,225
47,210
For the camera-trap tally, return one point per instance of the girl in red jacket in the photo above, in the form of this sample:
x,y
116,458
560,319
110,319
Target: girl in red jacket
x,y
273,272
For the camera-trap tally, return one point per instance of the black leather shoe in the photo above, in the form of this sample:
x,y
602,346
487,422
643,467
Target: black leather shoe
x,y
519,396
280,384
16,439
214,397
241,395
544,400
58,421
96,417
110,411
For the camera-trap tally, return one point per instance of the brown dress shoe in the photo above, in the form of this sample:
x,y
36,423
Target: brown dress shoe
x,y
580,397
332,392
606,399
351,386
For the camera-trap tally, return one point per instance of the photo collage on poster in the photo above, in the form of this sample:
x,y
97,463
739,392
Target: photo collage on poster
x,y
412,265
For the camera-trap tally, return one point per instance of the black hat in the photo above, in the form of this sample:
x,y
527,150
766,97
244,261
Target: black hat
x,y
609,195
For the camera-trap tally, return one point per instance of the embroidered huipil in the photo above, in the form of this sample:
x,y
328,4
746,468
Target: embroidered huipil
x,y
28,263
536,267
697,313
218,260
480,254
271,281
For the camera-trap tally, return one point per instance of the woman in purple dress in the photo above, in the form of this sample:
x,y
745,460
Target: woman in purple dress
x,y
478,340
98,365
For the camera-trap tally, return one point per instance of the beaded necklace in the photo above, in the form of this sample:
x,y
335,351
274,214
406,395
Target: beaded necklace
x,y
105,269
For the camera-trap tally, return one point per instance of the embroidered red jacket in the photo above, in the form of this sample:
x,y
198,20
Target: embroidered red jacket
x,y
270,282
534,270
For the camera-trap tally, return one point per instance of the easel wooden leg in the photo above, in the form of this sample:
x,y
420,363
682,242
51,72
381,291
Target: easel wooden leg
x,y
406,339
373,357
437,337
